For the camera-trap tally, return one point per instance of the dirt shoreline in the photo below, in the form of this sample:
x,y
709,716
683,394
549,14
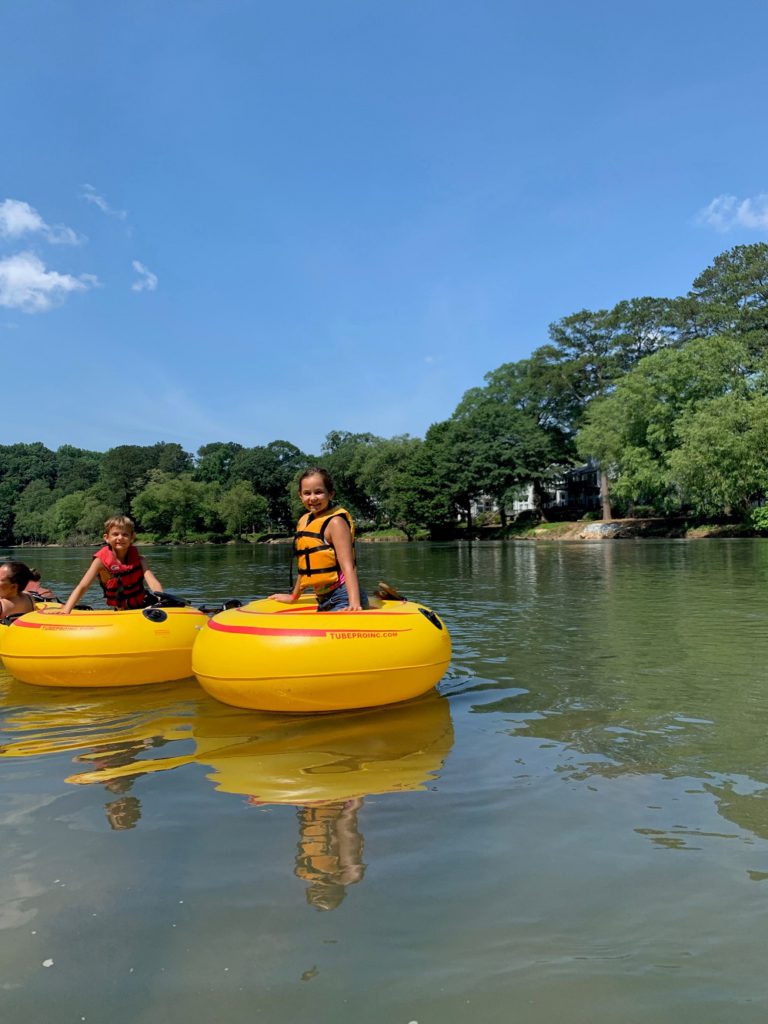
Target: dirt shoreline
x,y
637,529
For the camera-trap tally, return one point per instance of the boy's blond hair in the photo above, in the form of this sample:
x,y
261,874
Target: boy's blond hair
x,y
124,522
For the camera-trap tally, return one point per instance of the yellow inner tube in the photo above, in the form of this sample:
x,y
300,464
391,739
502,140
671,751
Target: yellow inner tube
x,y
101,647
270,656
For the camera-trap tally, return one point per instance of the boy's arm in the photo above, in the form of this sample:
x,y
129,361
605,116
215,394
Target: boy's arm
x,y
82,587
149,577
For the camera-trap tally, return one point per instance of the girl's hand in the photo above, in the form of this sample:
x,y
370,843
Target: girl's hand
x,y
283,598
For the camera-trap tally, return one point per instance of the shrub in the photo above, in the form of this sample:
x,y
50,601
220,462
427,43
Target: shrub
x,y
758,518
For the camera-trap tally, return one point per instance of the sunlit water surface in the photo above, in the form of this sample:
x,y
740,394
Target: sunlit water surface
x,y
575,828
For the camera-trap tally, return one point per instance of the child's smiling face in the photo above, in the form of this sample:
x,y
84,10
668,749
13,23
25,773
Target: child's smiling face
x,y
119,539
315,496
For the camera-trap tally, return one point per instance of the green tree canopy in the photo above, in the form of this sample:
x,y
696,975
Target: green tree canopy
x,y
175,507
214,462
634,430
731,295
243,511
29,511
76,518
721,462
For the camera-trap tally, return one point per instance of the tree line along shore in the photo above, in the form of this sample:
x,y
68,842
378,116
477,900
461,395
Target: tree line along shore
x,y
666,398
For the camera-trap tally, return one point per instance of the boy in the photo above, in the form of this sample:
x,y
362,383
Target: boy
x,y
120,569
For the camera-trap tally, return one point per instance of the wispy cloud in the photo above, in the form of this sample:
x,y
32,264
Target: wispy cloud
x,y
147,280
26,285
726,212
18,218
90,194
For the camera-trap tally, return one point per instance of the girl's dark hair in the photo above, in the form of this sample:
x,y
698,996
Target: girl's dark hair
x,y
317,471
21,574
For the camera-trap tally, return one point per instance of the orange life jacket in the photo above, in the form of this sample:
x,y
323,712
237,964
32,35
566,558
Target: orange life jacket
x,y
317,563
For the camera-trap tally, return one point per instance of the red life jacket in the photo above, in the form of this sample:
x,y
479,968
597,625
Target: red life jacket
x,y
122,582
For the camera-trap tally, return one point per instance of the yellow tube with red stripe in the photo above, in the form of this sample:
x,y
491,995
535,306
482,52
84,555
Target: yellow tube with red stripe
x,y
269,656
101,648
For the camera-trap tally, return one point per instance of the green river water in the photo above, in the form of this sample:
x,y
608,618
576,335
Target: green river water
x,y
575,827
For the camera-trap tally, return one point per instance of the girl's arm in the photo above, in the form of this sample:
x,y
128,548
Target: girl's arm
x,y
340,535
294,595
82,587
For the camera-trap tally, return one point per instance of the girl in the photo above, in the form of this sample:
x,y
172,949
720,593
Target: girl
x,y
14,578
324,545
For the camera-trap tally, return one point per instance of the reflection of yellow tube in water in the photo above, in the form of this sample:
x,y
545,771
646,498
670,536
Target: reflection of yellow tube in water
x,y
50,721
271,758
290,760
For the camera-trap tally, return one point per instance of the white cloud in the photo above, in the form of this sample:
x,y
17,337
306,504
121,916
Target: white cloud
x,y
92,196
26,285
18,218
726,212
147,281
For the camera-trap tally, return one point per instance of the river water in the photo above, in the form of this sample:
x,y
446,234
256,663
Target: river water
x,y
575,827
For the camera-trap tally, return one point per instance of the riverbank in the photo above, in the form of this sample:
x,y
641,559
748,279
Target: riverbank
x,y
633,529
590,530
637,528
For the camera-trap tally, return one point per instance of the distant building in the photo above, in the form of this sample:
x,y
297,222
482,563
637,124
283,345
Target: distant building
x,y
555,495
575,491
583,487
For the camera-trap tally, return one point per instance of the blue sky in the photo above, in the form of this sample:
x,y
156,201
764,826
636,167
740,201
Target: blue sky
x,y
249,221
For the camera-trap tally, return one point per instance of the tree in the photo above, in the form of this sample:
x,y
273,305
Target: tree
x,y
389,476
634,430
522,418
7,497
721,464
593,350
344,455
270,470
76,518
76,469
22,463
174,507
731,295
501,447
243,511
214,462
125,470
449,484
29,511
